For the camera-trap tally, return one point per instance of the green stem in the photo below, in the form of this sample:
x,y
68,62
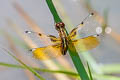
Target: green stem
x,y
53,11
39,69
24,65
90,73
72,51
70,73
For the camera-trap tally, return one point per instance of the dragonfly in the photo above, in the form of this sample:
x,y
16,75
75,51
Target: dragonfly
x,y
61,43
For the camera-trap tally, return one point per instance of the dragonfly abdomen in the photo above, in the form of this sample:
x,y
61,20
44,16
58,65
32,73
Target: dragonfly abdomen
x,y
60,28
64,46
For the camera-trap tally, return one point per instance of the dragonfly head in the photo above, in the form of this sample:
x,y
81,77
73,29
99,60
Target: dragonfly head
x,y
59,25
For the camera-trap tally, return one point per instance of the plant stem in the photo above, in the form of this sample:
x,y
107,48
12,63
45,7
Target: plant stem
x,y
70,73
53,11
72,51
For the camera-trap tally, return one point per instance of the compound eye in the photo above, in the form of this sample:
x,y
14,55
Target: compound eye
x,y
62,24
59,25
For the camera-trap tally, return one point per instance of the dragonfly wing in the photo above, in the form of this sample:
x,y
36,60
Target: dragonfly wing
x,y
54,39
47,52
87,27
86,44
41,35
73,33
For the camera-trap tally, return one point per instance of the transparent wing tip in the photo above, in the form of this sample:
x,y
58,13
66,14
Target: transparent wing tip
x,y
31,50
33,33
92,14
28,31
86,18
96,35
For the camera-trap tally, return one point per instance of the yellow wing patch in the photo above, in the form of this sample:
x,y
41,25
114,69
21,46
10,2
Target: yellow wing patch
x,y
73,33
48,52
52,51
86,44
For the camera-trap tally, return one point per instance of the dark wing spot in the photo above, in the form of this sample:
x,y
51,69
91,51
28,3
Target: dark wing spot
x,y
39,34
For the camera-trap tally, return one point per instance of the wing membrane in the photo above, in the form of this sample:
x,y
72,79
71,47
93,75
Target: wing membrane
x,y
73,33
54,39
44,53
41,35
86,44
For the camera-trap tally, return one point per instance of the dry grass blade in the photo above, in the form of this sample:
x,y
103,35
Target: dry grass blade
x,y
30,75
30,22
115,35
